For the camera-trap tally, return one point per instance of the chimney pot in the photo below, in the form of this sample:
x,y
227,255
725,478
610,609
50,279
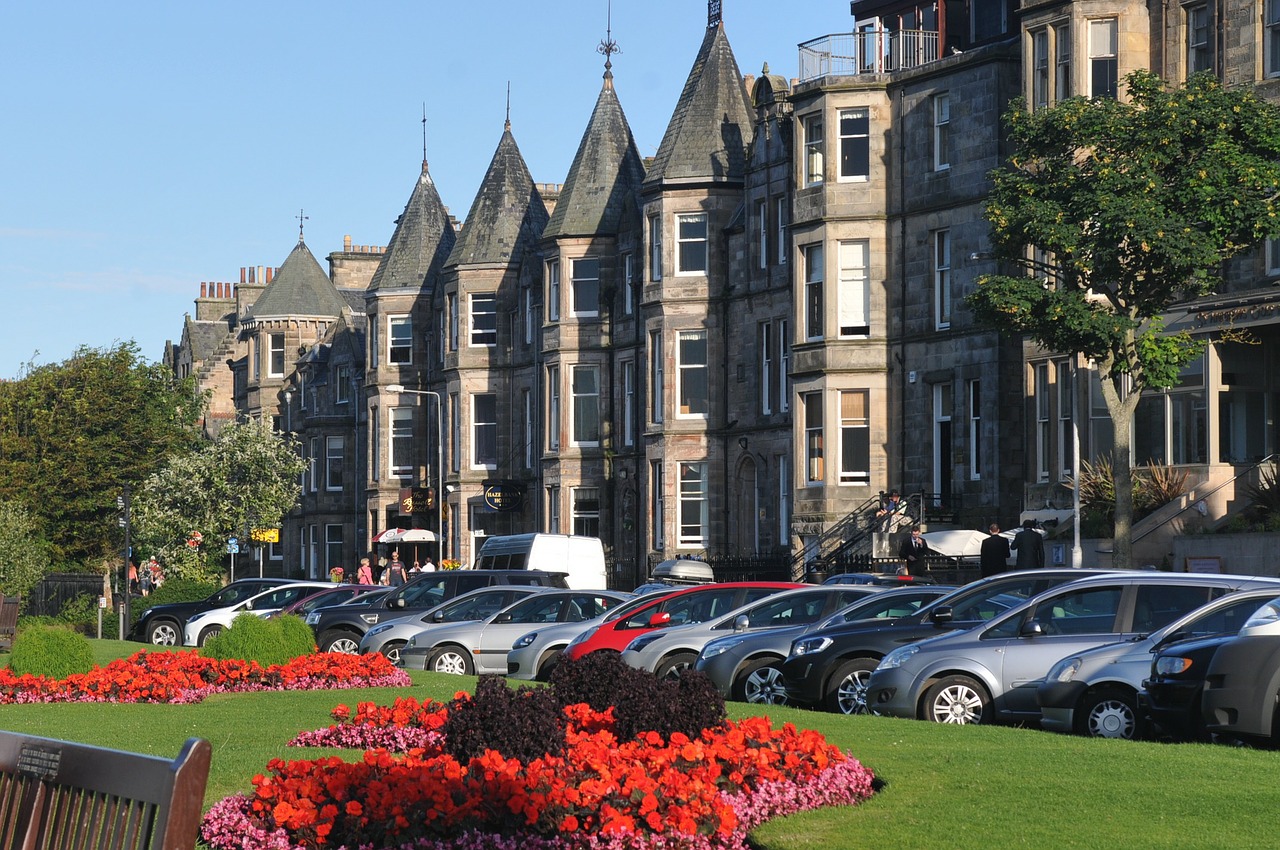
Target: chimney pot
x,y
242,273
202,288
346,242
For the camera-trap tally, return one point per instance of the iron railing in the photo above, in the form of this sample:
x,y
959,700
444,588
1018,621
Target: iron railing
x,y
867,52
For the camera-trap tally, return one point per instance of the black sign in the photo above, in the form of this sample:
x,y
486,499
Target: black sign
x,y
503,496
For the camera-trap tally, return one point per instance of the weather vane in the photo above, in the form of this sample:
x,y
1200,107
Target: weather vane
x,y
301,218
608,47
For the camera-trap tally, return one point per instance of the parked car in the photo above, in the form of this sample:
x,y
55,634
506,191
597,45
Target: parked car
x,y
389,638
534,654
1242,686
829,668
882,579
1172,695
481,647
670,651
339,628
207,625
688,605
1095,692
334,594
162,624
745,666
992,672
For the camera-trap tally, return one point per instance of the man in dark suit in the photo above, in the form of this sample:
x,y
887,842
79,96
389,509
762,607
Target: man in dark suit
x,y
913,551
994,555
1029,544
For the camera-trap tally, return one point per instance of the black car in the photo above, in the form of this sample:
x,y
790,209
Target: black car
x,y
1170,698
829,668
1242,684
162,625
339,628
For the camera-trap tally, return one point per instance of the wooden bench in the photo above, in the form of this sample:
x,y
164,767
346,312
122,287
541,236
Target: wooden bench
x,y
8,620
57,795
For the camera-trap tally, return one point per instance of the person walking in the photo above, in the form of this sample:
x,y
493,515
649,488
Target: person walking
x,y
994,555
1029,544
913,552
395,570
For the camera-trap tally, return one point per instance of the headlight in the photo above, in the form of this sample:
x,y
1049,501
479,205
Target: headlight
x,y
377,630
1172,665
369,618
1064,671
642,641
719,647
898,657
582,638
810,646
525,640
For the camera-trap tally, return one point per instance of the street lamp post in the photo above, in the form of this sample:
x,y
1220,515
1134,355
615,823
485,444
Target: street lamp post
x,y
400,388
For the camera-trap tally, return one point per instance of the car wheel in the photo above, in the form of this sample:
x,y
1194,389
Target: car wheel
x,y
1108,713
956,699
546,664
164,633
673,665
207,634
848,693
761,683
336,640
391,649
451,659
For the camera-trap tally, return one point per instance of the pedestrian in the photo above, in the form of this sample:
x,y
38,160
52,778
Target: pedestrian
x,y
133,579
144,582
395,571
417,566
913,552
428,566
994,555
364,573
1029,544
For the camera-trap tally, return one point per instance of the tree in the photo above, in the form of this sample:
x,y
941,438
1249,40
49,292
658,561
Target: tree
x,y
1136,205
247,477
73,433
24,553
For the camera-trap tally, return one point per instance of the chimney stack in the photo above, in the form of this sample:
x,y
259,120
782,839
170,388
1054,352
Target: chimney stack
x,y
346,243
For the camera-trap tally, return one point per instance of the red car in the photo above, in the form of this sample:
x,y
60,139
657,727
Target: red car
x,y
690,605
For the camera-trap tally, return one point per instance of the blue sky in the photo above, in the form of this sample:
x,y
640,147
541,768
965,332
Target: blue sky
x,y
150,146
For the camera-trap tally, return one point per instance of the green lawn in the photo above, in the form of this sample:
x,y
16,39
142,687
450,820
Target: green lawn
x,y
953,787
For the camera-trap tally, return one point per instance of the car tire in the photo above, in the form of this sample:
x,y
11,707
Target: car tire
x,y
451,659
207,634
960,700
546,664
337,640
848,691
760,683
674,664
391,649
1108,713
164,633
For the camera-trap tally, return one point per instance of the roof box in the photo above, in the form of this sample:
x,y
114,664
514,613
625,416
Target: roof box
x,y
683,571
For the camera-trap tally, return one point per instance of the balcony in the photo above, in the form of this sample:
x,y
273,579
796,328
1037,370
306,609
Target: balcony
x,y
866,52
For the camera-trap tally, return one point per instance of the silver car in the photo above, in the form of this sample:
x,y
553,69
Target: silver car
x,y
390,637
534,653
744,666
481,647
992,671
1095,693
668,651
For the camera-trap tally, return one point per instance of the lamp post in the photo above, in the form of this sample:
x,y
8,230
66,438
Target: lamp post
x,y
400,388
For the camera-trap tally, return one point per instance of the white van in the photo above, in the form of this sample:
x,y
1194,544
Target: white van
x,y
582,558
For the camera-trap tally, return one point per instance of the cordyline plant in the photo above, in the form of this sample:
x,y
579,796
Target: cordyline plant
x,y
248,476
1136,204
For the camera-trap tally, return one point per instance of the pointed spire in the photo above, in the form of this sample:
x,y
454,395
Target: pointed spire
x,y
301,219
608,47
299,288
423,238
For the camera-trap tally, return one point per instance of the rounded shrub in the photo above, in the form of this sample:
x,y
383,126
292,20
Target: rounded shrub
x,y
525,723
53,651
251,638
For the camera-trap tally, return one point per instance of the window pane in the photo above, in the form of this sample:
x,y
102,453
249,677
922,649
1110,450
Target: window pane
x,y
484,320
586,287
692,237
693,373
586,404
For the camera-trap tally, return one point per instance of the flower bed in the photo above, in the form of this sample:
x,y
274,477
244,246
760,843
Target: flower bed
x,y
604,794
186,677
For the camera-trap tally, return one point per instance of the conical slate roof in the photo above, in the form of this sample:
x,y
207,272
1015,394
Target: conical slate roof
x,y
300,288
507,215
606,170
712,123
422,241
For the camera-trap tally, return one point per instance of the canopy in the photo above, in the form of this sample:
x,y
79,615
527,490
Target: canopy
x,y
391,535
414,535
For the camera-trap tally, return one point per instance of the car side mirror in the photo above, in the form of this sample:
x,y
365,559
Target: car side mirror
x,y
502,618
659,619
741,623
438,617
398,602
942,615
1031,628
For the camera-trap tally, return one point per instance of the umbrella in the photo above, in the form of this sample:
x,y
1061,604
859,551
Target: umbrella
x,y
414,535
391,535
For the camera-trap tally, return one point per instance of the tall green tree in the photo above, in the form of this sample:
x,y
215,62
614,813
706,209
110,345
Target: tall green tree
x,y
24,555
73,433
1136,204
249,477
